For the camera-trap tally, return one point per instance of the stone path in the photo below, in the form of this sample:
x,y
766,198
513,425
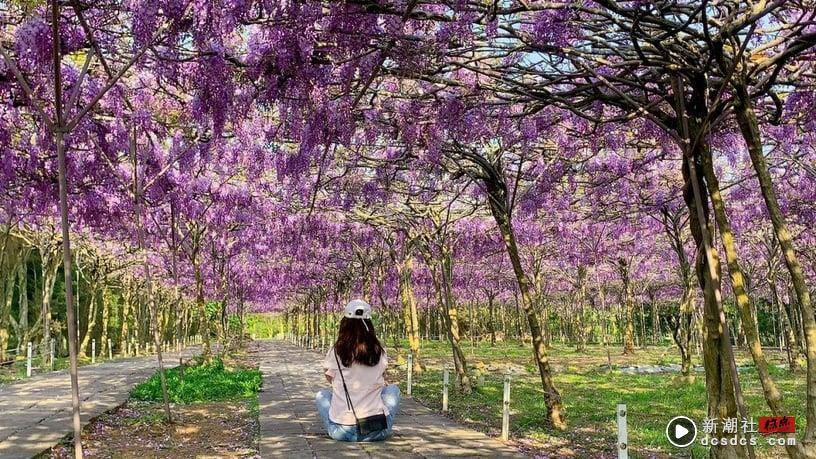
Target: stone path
x,y
291,428
36,413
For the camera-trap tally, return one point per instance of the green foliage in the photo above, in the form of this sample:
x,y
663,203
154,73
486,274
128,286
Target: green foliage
x,y
201,383
212,308
265,326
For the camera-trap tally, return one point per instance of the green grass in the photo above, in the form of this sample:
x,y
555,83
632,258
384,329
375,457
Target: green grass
x,y
201,383
590,394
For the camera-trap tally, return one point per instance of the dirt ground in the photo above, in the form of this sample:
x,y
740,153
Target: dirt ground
x,y
222,429
201,430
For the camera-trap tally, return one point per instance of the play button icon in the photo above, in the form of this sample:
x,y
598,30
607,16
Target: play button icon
x,y
681,431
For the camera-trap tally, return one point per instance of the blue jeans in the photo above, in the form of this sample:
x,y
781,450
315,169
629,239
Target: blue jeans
x,y
391,399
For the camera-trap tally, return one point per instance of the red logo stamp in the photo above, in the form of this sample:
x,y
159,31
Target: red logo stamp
x,y
777,424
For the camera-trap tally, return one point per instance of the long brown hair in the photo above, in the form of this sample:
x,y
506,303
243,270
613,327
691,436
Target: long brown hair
x,y
355,343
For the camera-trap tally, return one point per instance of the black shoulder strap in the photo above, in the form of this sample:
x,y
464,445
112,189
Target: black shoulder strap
x,y
348,397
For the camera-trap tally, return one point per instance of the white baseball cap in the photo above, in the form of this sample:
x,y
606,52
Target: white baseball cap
x,y
357,309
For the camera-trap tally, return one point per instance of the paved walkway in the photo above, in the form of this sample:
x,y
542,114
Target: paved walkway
x,y
36,413
290,427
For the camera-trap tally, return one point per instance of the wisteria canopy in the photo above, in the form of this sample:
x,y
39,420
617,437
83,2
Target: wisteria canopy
x,y
262,154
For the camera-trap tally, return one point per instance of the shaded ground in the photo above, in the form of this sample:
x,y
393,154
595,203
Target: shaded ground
x,y
138,430
36,412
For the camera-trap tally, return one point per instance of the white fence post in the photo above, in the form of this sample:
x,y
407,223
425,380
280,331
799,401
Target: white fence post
x,y
110,350
623,435
28,360
410,374
445,383
93,350
51,342
505,434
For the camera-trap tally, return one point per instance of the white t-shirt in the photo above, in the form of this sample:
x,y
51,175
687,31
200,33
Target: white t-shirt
x,y
365,385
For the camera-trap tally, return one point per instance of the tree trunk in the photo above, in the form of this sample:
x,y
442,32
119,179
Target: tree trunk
x,y
655,320
772,395
20,325
22,298
490,308
628,308
106,315
497,197
686,325
452,318
204,329
580,296
750,131
410,307
5,309
66,265
86,338
50,265
642,310
7,297
722,380
151,299
786,325
124,316
449,321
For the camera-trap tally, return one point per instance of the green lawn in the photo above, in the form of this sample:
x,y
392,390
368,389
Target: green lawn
x,y
590,394
202,382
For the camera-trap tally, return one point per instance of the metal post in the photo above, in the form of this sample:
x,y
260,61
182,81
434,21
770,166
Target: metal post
x,y
110,350
93,350
410,374
505,434
28,360
445,383
623,435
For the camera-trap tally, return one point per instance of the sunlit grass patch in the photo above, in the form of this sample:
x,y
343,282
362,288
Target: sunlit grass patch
x,y
201,382
590,394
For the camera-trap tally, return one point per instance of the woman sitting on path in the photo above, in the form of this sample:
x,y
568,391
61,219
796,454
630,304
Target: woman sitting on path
x,y
359,406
